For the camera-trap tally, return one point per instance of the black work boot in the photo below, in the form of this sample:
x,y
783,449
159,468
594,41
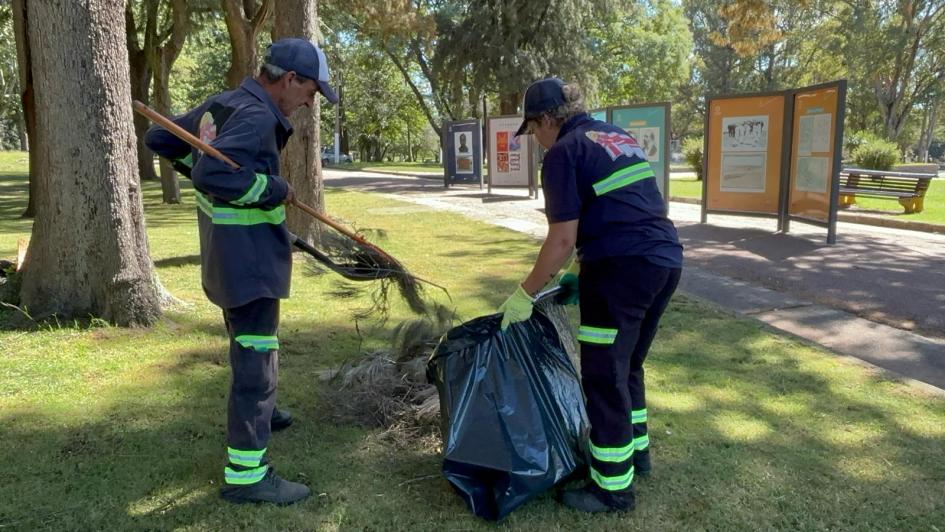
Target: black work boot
x,y
641,463
592,499
271,489
280,419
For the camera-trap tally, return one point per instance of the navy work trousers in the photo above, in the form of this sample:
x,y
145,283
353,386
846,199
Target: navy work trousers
x,y
254,360
622,300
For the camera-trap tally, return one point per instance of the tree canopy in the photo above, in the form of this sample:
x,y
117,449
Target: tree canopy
x,y
405,66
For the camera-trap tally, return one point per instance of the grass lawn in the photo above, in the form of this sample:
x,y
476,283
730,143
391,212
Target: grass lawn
x,y
934,211
685,187
392,167
107,428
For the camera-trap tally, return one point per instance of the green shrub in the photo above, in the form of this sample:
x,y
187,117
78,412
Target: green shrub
x,y
692,151
853,140
875,154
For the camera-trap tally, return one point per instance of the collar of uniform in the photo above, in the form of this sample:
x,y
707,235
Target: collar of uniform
x,y
253,87
572,123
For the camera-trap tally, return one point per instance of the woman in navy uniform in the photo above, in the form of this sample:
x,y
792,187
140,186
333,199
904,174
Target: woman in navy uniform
x,y
601,198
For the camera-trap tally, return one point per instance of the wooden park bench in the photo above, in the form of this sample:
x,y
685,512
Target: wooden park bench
x,y
907,187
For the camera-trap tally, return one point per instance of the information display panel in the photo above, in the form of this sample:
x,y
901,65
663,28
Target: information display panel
x,y
462,152
510,157
649,124
743,154
815,152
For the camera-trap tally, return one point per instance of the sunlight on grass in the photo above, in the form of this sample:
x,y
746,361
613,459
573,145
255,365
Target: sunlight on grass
x,y
738,426
675,402
162,502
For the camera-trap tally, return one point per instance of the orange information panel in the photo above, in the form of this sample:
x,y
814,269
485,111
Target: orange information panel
x,y
815,162
744,136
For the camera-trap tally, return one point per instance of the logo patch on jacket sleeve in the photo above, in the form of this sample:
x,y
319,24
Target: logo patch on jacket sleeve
x,y
616,144
208,128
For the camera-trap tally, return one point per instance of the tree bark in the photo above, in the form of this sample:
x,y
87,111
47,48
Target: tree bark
x,y
140,89
508,103
344,137
301,160
929,120
243,23
88,255
24,61
165,45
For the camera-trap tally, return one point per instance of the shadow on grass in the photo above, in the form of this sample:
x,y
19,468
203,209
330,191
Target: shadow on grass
x,y
746,433
187,260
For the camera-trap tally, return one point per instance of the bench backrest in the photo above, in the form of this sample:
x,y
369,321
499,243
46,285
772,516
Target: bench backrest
x,y
917,168
885,181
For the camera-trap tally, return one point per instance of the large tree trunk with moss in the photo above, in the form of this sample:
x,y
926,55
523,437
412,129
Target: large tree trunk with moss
x,y
244,20
301,160
88,255
20,28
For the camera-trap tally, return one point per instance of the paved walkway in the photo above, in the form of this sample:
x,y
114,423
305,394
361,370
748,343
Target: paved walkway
x,y
877,295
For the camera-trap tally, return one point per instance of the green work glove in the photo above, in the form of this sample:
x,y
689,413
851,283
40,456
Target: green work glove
x,y
570,295
518,307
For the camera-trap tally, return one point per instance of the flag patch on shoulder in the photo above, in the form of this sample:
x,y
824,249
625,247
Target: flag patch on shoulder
x,y
616,144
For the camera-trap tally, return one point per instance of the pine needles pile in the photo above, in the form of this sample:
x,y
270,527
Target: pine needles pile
x,y
388,389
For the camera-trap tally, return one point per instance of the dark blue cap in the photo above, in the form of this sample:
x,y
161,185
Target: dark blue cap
x,y
541,96
305,59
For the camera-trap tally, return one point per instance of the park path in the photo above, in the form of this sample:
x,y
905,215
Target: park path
x,y
878,295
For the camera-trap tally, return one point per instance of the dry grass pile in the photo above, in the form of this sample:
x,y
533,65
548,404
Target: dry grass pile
x,y
388,388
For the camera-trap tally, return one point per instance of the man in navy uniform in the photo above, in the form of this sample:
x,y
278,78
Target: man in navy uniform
x,y
245,249
601,197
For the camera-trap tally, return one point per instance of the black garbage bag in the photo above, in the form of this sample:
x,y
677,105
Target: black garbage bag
x,y
511,409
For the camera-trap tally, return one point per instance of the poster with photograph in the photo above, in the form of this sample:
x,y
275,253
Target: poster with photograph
x,y
508,154
812,174
743,172
649,140
463,152
745,133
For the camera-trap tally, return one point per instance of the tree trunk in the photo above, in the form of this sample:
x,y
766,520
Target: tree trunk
x,y
88,255
929,119
301,161
24,59
508,103
243,26
345,138
409,146
140,88
161,55
22,141
170,185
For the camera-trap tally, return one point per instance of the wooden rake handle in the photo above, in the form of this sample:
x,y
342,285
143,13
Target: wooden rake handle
x,y
185,136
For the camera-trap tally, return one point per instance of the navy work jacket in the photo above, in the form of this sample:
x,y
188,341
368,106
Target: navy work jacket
x,y
245,251
596,173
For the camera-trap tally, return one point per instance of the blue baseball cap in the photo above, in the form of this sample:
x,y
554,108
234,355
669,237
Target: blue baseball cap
x,y
305,59
541,96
